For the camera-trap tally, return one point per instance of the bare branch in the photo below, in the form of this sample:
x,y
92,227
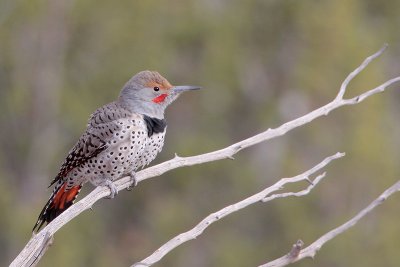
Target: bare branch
x,y
379,89
34,245
263,196
312,249
303,192
357,71
46,243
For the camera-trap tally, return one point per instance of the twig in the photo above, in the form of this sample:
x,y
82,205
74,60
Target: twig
x,y
226,153
263,196
312,249
357,71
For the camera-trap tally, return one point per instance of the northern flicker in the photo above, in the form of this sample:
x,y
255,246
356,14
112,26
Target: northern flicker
x,y
120,137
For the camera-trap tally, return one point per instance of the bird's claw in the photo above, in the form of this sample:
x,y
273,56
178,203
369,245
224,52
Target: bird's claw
x,y
112,187
133,181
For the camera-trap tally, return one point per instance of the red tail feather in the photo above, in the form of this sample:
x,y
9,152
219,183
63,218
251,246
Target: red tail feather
x,y
59,201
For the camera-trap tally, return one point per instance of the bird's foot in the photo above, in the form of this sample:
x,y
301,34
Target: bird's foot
x,y
112,187
133,181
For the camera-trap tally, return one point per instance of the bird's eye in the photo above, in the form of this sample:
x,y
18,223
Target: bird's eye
x,y
156,88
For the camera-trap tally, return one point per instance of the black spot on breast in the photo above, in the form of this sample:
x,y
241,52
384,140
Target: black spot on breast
x,y
154,125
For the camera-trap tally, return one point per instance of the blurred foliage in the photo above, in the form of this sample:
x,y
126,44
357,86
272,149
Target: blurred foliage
x,y
261,63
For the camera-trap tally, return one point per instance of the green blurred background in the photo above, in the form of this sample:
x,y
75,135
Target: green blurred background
x,y
261,63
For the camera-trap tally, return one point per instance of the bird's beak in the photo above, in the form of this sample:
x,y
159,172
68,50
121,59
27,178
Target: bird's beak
x,y
183,88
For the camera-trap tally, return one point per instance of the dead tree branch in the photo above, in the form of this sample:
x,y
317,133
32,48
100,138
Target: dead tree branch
x,y
312,249
263,196
35,245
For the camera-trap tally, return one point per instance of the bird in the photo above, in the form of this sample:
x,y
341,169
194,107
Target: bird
x,y
120,137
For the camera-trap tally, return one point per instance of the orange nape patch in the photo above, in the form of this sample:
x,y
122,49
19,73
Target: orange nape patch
x,y
63,197
160,98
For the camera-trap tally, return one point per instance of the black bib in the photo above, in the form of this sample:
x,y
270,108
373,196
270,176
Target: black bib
x,y
154,125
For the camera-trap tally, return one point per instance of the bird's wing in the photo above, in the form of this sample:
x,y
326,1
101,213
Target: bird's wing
x,y
100,129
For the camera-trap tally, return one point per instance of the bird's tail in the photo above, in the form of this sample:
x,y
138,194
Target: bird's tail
x,y
59,201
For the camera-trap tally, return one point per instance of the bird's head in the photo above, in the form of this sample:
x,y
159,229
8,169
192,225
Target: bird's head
x,y
150,93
